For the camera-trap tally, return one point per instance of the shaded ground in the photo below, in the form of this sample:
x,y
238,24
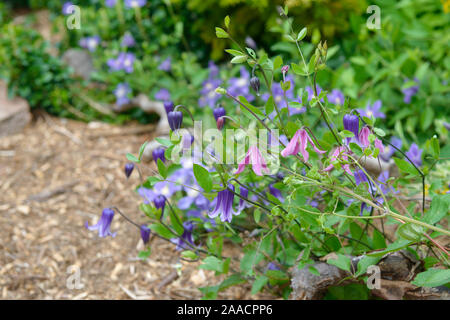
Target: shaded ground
x,y
69,171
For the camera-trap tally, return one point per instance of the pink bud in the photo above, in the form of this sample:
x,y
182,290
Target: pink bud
x,y
220,122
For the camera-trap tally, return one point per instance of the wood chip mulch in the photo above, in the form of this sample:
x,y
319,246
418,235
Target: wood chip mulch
x,y
56,175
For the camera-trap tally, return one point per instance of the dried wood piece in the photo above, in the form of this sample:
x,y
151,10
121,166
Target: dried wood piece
x,y
47,194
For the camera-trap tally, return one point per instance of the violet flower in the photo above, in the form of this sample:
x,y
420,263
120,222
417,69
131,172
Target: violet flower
x,y
128,169
145,233
127,41
224,205
166,65
186,238
103,225
240,86
242,203
110,3
360,177
298,143
372,110
415,154
336,97
278,96
410,91
254,158
209,96
193,197
135,3
162,95
389,151
66,8
122,92
276,192
90,43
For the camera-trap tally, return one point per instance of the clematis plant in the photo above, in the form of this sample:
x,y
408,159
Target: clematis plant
x,y
295,198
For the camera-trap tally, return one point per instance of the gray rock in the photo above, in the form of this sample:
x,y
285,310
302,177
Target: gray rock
x,y
80,61
14,113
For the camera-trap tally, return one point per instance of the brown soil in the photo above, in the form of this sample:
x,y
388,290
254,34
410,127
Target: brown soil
x,y
54,177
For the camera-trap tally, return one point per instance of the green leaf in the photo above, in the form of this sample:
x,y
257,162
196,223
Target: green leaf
x,y
379,132
269,106
132,158
256,111
144,254
440,205
405,166
188,254
233,280
215,264
395,246
301,34
141,149
432,278
364,263
227,21
342,262
162,168
410,231
259,283
286,85
220,33
234,52
239,59
203,177
164,142
277,62
161,230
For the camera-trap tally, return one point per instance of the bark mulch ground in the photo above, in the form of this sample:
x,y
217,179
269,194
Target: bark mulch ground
x,y
54,177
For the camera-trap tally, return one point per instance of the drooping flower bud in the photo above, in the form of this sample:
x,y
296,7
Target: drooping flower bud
x,y
219,112
158,153
220,122
364,136
285,69
145,233
168,105
351,123
129,169
255,84
175,119
160,202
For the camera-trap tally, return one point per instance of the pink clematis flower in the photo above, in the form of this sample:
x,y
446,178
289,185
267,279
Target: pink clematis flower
x,y
339,152
379,145
299,142
364,136
254,158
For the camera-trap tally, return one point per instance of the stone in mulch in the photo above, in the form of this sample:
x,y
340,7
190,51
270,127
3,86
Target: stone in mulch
x,y
14,113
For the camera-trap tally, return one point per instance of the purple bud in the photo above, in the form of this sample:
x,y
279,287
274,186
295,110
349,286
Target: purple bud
x,y
104,223
168,105
129,169
351,123
160,202
219,112
255,84
175,119
145,233
158,153
285,69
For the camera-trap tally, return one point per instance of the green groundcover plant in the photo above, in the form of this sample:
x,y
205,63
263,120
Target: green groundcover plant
x,y
280,170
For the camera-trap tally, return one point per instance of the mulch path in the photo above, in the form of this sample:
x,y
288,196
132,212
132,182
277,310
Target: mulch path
x,y
56,175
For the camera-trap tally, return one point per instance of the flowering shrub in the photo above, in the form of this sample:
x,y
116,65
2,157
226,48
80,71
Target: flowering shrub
x,y
289,174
